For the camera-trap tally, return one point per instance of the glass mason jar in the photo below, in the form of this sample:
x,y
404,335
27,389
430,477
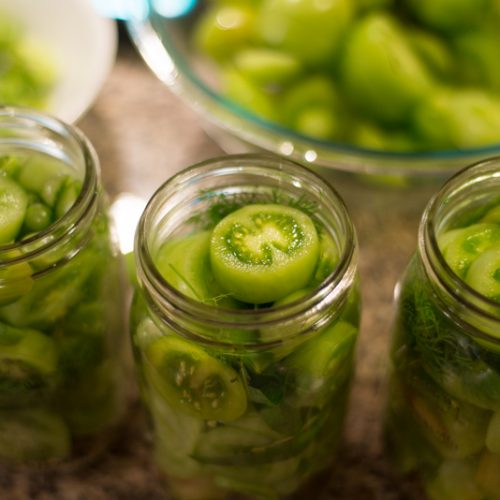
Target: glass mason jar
x,y
61,312
443,419
245,399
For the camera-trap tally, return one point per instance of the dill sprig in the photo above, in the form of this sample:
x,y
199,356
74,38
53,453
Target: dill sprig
x,y
431,334
219,205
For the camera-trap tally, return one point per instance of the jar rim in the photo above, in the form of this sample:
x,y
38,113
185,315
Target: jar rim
x,y
43,240
435,265
333,288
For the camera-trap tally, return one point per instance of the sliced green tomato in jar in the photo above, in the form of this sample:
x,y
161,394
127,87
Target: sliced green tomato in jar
x,y
484,274
53,294
455,428
28,363
67,196
38,217
13,204
322,365
262,253
33,435
460,247
193,381
328,257
184,263
44,176
15,281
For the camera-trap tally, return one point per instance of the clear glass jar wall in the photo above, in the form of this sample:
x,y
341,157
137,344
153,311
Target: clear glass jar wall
x,y
443,418
244,399
61,328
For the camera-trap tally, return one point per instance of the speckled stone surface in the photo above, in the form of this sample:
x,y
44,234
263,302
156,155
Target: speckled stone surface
x,y
143,135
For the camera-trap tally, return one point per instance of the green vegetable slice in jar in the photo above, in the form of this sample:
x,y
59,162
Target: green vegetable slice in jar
x,y
28,363
484,274
43,177
455,428
261,253
184,263
193,381
13,204
323,364
460,247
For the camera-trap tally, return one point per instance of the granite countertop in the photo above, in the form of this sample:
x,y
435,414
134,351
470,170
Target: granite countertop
x,y
143,134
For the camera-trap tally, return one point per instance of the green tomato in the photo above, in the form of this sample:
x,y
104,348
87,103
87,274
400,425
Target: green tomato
x,y
477,52
244,92
461,247
261,253
453,427
193,381
28,365
322,365
184,262
267,67
224,29
312,106
381,73
13,205
463,118
310,30
484,273
451,15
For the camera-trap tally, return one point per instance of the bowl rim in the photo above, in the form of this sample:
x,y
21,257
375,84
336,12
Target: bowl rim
x,y
169,65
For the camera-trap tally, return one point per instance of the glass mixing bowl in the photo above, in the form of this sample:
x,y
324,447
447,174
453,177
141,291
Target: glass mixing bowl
x,y
162,31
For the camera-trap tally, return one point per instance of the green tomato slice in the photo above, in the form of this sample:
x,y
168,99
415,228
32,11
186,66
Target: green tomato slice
x,y
193,381
43,176
453,427
461,247
261,253
28,363
484,274
322,365
184,263
13,204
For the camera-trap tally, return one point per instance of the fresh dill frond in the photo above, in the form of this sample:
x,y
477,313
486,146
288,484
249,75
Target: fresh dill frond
x,y
219,205
430,333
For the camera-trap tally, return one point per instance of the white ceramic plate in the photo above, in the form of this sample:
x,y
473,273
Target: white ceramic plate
x,y
83,45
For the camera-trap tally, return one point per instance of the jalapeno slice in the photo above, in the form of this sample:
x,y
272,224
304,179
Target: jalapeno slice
x,y
261,253
193,381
